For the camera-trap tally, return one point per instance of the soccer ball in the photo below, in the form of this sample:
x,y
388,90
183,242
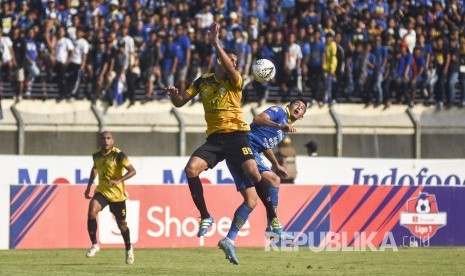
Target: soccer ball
x,y
263,70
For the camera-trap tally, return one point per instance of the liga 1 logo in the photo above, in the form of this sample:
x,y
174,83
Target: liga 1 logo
x,y
422,216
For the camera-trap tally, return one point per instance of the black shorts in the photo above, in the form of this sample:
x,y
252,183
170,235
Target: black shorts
x,y
118,209
233,146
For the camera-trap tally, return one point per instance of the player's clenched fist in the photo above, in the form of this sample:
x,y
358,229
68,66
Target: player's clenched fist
x,y
171,90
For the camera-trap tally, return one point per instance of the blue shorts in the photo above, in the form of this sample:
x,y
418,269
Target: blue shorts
x,y
240,178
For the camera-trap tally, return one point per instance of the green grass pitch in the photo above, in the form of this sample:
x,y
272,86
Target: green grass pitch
x,y
253,261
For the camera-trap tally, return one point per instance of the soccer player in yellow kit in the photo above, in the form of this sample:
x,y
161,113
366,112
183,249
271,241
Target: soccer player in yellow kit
x,y
109,165
221,94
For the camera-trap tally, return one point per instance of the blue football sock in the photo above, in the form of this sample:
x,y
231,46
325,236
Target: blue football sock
x,y
240,217
274,195
274,191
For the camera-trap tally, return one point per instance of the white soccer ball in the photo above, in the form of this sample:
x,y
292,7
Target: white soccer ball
x,y
263,70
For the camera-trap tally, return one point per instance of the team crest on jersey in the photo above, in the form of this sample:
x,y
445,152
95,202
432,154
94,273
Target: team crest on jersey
x,y
112,163
222,90
422,216
204,93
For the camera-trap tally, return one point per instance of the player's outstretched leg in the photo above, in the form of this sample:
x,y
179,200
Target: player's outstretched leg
x,y
283,235
229,250
196,189
268,191
240,217
274,191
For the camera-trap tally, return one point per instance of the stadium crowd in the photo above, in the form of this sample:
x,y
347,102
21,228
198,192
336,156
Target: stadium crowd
x,y
380,51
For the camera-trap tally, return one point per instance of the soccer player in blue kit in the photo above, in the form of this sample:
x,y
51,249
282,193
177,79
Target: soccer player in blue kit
x,y
268,129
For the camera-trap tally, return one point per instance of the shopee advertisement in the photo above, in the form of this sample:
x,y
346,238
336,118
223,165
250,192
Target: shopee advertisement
x,y
55,216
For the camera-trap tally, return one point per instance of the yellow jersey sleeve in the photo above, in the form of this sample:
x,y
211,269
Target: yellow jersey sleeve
x,y
194,89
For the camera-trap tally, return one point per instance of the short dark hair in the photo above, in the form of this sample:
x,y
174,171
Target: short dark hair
x,y
299,100
230,51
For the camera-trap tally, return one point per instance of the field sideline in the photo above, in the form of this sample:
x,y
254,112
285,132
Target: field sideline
x,y
253,261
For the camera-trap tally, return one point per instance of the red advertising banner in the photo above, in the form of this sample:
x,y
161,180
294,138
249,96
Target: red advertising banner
x,y
55,216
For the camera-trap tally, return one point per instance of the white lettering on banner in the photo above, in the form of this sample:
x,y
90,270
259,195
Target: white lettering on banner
x,y
367,171
412,241
439,218
24,177
394,178
32,170
331,241
166,225
168,178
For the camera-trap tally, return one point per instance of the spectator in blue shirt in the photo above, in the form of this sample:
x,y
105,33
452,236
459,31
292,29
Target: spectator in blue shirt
x,y
372,65
429,76
418,74
171,53
184,43
403,74
31,60
315,66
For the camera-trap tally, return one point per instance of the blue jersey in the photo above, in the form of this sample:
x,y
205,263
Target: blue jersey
x,y
262,138
184,43
31,49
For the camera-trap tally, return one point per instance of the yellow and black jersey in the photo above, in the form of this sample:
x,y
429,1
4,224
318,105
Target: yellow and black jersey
x,y
222,103
110,167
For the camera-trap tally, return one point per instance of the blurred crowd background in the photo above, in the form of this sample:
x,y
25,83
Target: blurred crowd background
x,y
372,51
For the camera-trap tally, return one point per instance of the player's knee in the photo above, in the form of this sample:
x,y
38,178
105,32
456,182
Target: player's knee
x,y
275,181
255,177
252,201
191,171
92,214
122,225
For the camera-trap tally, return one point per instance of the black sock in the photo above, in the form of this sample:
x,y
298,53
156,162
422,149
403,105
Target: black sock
x,y
264,195
92,229
195,186
127,239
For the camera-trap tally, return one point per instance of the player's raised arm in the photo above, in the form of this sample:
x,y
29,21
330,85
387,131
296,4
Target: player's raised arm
x,y
263,119
228,63
178,98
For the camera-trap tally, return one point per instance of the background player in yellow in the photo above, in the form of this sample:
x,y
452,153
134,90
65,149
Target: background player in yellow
x,y
330,65
109,165
221,94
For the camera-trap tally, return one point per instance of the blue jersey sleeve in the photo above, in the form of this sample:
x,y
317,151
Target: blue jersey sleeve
x,y
276,113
